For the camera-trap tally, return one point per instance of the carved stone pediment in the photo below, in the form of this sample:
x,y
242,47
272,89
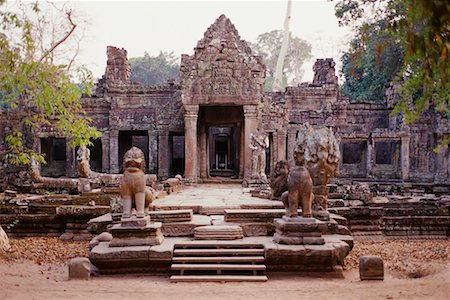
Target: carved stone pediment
x,y
222,69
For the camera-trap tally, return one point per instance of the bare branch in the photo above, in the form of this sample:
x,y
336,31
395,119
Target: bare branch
x,y
65,37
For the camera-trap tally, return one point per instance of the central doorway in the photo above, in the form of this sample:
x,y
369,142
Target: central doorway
x,y
222,154
220,141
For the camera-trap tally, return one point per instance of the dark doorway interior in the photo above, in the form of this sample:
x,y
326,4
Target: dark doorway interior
x,y
96,155
177,154
222,151
54,151
128,139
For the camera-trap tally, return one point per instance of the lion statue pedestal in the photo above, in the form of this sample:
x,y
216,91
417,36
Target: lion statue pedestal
x,y
299,231
135,229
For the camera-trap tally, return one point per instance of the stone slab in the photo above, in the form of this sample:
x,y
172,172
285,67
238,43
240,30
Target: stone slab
x,y
185,228
169,216
134,221
218,232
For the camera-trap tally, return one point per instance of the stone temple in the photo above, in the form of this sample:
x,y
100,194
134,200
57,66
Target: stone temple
x,y
201,127
390,181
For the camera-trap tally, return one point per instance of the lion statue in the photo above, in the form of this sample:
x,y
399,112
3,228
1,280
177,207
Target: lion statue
x,y
278,178
294,187
133,190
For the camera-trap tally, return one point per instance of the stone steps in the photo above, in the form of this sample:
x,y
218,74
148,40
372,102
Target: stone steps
x,y
218,261
233,259
218,278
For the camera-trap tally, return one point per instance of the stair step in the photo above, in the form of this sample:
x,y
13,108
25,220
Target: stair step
x,y
218,252
227,259
217,244
218,267
217,278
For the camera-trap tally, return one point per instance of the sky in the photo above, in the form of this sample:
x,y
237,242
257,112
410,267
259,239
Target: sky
x,y
152,26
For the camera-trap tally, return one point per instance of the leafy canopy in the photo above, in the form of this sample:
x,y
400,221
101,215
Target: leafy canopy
x,y
155,69
422,29
374,59
268,45
37,91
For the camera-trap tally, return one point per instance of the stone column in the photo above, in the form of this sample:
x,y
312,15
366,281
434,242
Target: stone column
x,y
163,154
71,161
404,156
190,141
105,152
153,151
250,126
369,158
241,151
203,153
114,151
281,145
292,136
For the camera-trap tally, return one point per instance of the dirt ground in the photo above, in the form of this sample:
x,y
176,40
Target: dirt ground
x,y
35,269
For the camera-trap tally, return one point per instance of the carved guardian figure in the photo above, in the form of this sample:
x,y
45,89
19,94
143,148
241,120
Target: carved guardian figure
x,y
318,150
133,190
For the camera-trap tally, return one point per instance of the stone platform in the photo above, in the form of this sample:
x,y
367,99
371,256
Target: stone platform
x,y
278,258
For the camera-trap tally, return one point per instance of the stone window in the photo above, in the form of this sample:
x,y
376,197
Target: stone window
x,y
54,151
385,152
352,152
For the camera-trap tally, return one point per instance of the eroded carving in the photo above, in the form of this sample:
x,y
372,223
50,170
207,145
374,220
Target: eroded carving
x,y
318,150
259,141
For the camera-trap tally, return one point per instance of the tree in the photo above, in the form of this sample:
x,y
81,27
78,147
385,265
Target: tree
x,y
36,89
371,63
278,76
155,69
268,45
422,29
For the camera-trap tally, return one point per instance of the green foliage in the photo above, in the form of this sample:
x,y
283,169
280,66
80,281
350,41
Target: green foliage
x,y
155,69
39,93
422,29
371,63
268,45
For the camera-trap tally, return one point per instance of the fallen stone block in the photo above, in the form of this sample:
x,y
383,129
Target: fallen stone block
x,y
371,268
79,268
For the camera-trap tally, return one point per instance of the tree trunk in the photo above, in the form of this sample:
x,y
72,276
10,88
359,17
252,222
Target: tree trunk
x,y
278,78
4,241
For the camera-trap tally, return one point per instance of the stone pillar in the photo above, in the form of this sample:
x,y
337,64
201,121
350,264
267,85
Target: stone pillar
x,y
274,151
369,158
281,145
241,151
153,151
114,151
204,162
404,156
105,152
292,136
190,141
250,126
71,161
163,154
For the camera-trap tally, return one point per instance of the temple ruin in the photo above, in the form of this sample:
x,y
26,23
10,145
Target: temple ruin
x,y
201,127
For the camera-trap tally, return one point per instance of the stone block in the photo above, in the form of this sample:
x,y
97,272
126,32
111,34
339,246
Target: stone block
x,y
185,228
148,235
371,268
218,232
79,268
299,231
